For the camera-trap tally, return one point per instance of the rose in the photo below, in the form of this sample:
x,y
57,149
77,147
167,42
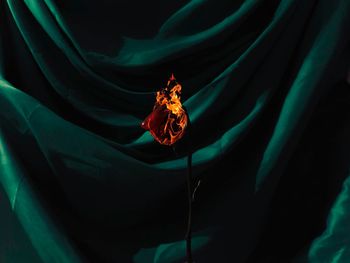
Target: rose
x,y
168,120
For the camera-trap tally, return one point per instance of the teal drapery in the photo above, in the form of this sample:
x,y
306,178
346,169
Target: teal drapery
x,y
263,85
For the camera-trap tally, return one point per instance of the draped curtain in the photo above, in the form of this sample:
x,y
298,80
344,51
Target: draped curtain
x,y
264,84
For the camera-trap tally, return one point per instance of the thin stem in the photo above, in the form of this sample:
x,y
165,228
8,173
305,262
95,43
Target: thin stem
x,y
189,220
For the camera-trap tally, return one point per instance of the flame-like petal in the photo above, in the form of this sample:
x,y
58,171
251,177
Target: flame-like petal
x,y
168,120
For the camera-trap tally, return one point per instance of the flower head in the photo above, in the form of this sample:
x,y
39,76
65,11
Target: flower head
x,y
168,120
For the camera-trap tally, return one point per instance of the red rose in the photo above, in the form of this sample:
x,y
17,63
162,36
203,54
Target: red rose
x,y
168,120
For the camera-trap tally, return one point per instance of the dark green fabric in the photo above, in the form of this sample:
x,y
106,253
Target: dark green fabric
x,y
264,86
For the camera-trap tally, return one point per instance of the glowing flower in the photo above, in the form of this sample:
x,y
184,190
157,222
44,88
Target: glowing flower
x,y
168,120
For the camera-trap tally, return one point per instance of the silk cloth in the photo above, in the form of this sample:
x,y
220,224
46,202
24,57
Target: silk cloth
x,y
264,86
